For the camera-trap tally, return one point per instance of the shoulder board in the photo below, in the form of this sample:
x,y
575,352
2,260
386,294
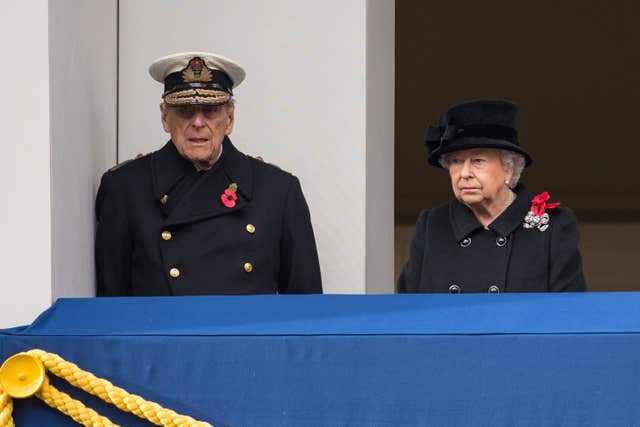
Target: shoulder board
x,y
260,159
119,165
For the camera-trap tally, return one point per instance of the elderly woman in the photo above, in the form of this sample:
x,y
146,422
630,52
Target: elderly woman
x,y
494,236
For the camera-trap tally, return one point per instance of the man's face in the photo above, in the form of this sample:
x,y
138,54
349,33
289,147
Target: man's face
x,y
198,130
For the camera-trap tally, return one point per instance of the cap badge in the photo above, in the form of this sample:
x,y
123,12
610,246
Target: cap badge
x,y
196,71
537,217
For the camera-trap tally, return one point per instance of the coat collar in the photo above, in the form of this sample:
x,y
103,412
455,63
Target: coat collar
x,y
237,167
464,221
202,199
169,167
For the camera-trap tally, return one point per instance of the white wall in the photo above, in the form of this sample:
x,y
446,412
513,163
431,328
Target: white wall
x,y
303,107
83,61
25,255
59,135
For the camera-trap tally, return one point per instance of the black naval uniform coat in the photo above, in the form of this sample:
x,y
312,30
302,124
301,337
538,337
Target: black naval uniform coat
x,y
163,229
452,252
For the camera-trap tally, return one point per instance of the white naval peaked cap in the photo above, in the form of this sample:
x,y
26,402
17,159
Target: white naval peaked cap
x,y
197,78
162,67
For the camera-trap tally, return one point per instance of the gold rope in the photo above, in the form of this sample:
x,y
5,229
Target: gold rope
x,y
112,394
6,408
101,388
71,407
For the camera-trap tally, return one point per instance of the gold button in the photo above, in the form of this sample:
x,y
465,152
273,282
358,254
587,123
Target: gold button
x,y
251,228
174,272
248,267
166,235
164,199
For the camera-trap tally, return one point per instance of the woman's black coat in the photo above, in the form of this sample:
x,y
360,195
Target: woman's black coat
x,y
452,252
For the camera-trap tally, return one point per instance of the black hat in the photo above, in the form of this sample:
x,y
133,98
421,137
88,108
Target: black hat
x,y
475,124
197,78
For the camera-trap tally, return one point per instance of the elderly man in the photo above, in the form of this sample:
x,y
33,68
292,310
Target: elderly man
x,y
198,216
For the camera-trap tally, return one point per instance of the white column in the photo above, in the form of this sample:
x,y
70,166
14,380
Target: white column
x,y
83,61
380,146
25,255
59,134
318,102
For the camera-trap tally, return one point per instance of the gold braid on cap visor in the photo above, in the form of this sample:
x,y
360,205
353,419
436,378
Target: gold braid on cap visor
x,y
197,96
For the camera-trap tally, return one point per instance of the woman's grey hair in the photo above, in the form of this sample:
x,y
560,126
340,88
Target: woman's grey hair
x,y
515,162
511,160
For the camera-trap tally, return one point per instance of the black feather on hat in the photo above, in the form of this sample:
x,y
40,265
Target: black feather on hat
x,y
475,124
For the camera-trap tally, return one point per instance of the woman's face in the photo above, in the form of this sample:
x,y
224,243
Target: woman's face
x,y
478,177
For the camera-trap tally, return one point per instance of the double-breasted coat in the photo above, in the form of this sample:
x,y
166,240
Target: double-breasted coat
x,y
452,252
163,228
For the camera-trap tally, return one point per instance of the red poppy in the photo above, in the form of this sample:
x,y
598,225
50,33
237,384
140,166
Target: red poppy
x,y
229,198
539,204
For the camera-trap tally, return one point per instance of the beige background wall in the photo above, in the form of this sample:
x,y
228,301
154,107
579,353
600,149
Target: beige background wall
x,y
574,69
